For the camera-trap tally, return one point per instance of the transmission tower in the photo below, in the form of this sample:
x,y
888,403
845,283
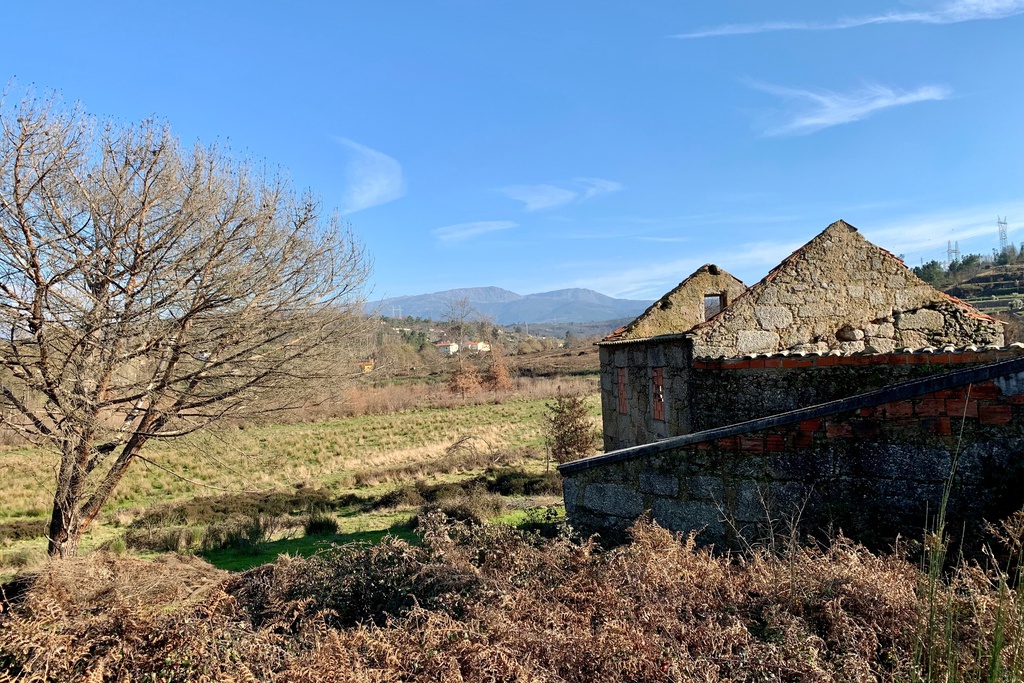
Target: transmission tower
x,y
952,251
1001,222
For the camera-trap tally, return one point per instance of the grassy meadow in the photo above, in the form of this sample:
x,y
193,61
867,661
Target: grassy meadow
x,y
344,465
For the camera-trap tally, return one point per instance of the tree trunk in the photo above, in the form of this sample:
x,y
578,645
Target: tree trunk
x,y
65,532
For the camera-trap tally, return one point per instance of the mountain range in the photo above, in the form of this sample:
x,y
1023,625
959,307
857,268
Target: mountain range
x,y
508,308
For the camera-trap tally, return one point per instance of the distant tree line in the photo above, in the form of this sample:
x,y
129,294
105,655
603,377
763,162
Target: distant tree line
x,y
942,276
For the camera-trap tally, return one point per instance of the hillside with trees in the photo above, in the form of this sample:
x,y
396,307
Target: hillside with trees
x,y
992,283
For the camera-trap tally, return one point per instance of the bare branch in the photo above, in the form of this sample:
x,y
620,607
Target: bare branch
x,y
147,291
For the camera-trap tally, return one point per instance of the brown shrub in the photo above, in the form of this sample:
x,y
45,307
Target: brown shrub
x,y
498,377
464,380
20,529
485,603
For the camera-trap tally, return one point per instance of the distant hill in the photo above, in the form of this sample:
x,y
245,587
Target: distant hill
x,y
509,308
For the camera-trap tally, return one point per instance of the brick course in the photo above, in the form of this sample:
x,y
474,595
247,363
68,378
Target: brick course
x,y
870,464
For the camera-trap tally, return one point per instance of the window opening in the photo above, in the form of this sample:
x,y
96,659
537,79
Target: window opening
x,y
658,391
713,303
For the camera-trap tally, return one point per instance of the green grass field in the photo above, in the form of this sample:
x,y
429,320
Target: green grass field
x,y
233,560
364,455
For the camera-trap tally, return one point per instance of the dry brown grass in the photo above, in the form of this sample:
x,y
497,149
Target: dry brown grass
x,y
335,454
367,399
488,603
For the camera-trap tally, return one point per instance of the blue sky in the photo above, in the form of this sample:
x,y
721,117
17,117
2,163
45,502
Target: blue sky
x,y
536,145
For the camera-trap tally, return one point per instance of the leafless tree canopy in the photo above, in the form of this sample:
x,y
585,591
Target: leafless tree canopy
x,y
147,290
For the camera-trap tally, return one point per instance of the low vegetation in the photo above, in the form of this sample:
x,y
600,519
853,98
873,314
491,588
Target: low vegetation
x,y
252,489
569,433
419,538
476,602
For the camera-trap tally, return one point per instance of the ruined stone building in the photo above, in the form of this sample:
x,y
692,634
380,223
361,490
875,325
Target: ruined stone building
x,y
838,294
833,383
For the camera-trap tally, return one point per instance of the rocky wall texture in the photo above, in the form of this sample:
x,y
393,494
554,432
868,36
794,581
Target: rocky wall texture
x,y
839,291
872,471
735,390
702,394
683,307
637,361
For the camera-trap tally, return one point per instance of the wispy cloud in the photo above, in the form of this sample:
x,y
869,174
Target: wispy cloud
x,y
595,186
952,12
651,280
539,197
463,231
921,236
818,109
373,178
926,235
551,195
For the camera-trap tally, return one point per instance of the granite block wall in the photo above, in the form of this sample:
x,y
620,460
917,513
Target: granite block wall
x,y
872,466
702,394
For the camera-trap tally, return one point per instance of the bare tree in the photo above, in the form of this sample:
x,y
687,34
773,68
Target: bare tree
x,y
456,313
148,290
464,378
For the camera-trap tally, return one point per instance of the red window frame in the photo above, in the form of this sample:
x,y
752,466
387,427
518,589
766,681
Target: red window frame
x,y
623,404
658,394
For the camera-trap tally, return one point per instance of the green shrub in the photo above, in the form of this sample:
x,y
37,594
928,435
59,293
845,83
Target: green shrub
x,y
176,539
474,507
513,481
248,534
569,432
212,509
320,524
407,495
548,522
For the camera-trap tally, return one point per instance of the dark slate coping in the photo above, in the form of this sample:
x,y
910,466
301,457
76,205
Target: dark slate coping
x,y
673,336
893,392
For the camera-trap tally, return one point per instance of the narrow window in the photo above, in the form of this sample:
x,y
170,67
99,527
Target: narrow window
x,y
623,407
658,391
713,303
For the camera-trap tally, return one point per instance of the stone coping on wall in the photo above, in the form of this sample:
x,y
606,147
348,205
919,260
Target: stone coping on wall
x,y
893,392
644,340
928,355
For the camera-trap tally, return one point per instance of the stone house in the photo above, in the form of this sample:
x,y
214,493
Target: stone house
x,y
874,465
800,386
837,294
695,300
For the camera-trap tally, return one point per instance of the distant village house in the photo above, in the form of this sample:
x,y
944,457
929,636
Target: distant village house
x,y
447,348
